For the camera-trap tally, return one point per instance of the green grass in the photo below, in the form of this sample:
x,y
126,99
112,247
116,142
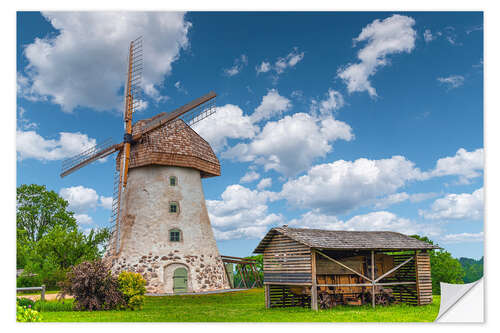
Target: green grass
x,y
246,306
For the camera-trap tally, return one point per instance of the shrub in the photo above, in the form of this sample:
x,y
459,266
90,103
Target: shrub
x,y
53,306
24,314
21,301
92,286
133,287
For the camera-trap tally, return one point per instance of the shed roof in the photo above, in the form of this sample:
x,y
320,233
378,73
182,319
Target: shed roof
x,y
347,240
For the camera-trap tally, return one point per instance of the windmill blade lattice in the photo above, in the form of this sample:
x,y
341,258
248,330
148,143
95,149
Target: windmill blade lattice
x,y
100,150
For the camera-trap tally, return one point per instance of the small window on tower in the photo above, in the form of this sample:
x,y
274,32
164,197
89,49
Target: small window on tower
x,y
173,181
175,235
174,207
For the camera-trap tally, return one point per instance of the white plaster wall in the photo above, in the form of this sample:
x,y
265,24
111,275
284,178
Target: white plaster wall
x,y
145,244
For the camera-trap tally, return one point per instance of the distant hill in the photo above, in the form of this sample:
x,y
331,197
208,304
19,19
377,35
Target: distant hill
x,y
473,269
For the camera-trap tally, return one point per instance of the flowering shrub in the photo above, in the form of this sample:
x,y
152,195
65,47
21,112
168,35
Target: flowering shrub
x,y
21,301
26,314
93,287
133,286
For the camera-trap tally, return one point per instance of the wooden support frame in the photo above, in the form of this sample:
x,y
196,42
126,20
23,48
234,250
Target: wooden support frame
x,y
393,269
314,289
268,295
373,279
344,266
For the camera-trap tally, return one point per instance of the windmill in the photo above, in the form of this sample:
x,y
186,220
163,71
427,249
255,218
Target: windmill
x,y
160,225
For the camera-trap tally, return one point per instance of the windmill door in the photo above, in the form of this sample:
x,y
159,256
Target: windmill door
x,y
180,280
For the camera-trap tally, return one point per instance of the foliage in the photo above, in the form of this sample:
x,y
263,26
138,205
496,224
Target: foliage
x,y
54,306
26,314
473,269
259,258
133,287
38,211
246,306
93,287
22,301
48,239
444,268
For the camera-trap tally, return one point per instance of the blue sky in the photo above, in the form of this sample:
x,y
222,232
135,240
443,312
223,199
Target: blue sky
x,y
356,121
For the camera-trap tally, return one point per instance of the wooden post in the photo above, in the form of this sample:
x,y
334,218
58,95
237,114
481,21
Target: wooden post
x,y
268,296
373,279
43,293
314,288
416,277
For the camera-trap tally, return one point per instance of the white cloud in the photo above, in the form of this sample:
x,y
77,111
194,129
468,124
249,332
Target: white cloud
x,y
462,206
466,165
83,219
452,81
80,199
390,36
227,123
341,186
57,69
23,122
264,67
180,88
249,177
83,199
291,59
374,221
154,93
391,200
105,202
291,144
464,237
264,183
396,198
29,144
242,213
272,104
282,64
238,65
428,37
332,102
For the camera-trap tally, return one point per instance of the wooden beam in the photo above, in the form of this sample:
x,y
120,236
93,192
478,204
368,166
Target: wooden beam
x,y
365,284
346,267
393,270
268,296
287,283
314,289
416,278
373,279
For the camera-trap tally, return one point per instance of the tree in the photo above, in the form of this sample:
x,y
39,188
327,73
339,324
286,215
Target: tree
x,y
444,268
473,269
39,210
48,239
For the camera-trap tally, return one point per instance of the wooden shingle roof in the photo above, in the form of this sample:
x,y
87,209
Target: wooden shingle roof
x,y
173,144
347,240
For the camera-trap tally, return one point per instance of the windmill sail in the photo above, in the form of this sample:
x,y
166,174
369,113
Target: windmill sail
x,y
88,156
190,113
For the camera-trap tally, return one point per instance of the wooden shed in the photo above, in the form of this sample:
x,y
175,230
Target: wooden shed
x,y
311,267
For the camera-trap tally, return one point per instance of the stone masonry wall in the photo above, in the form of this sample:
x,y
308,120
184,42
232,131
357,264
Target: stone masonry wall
x,y
145,246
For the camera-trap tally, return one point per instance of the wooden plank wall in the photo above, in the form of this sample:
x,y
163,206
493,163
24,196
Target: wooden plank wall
x,y
282,296
406,293
286,260
424,281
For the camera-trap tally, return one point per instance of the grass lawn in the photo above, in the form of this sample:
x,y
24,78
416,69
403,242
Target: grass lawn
x,y
245,306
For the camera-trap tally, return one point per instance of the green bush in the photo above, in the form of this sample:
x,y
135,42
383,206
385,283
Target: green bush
x,y
21,301
133,287
54,306
24,314
27,280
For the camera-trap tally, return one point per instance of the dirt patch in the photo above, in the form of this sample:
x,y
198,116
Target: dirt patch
x,y
48,297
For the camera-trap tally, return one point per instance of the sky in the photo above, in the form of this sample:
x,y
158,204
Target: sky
x,y
330,120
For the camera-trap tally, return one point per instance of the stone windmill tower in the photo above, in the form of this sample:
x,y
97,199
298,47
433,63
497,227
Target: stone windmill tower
x,y
161,227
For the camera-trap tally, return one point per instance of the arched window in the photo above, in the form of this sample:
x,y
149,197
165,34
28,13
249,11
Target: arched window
x,y
173,207
175,235
173,181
